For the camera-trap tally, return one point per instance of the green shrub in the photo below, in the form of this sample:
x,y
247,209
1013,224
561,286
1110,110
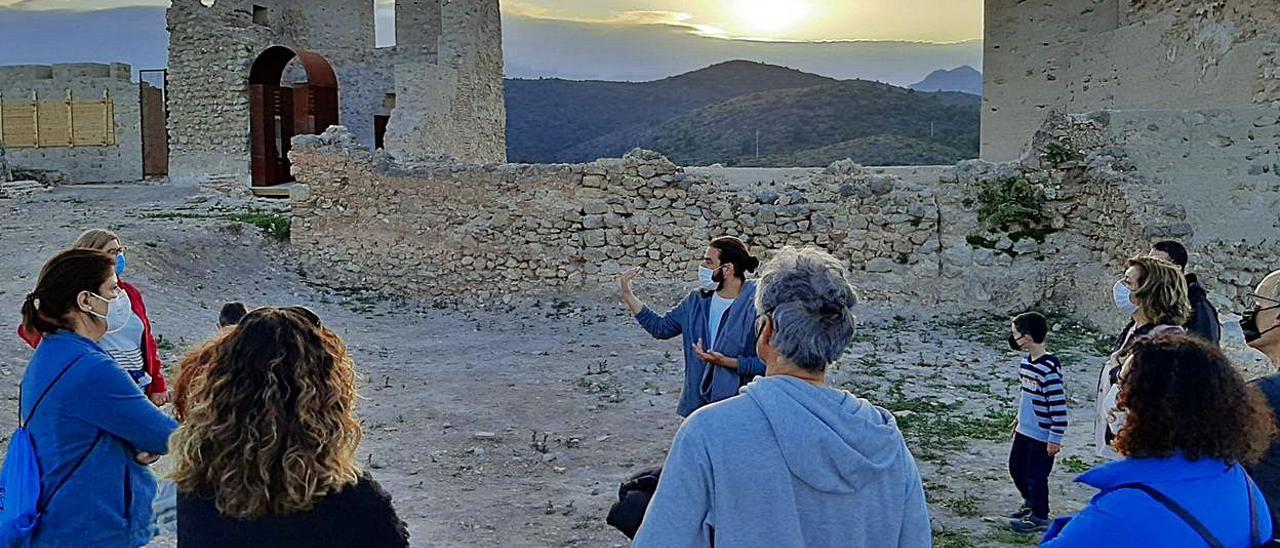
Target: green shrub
x,y
1057,153
1010,201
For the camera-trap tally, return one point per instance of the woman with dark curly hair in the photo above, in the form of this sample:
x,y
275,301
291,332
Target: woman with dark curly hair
x,y
1192,423
266,454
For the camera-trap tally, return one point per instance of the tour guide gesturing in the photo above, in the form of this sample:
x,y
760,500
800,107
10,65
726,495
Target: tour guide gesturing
x,y
717,322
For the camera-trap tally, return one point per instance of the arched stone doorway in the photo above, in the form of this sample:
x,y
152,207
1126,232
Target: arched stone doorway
x,y
278,112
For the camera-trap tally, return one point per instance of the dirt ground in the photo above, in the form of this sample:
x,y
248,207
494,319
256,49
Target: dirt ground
x,y
513,427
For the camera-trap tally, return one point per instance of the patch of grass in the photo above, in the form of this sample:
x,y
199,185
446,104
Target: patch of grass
x,y
862,337
165,345
953,538
1000,535
966,506
1075,342
273,224
1076,465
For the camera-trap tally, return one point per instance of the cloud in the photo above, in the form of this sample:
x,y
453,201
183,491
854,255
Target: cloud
x,y
76,5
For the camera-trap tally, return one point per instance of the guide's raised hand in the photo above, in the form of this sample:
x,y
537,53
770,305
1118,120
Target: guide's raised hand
x,y
628,277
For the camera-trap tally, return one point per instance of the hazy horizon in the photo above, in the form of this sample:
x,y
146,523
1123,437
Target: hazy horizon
x,y
576,40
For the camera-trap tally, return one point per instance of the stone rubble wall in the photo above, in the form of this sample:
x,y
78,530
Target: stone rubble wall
x,y
121,162
481,234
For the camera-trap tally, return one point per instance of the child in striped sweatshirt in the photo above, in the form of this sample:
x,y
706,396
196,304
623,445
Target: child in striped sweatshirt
x,y
1041,423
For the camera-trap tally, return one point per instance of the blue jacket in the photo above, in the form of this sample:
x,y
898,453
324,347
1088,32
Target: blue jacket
x,y
107,502
737,339
788,464
1209,489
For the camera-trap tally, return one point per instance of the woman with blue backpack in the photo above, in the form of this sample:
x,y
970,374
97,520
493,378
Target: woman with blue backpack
x,y
76,470
1191,424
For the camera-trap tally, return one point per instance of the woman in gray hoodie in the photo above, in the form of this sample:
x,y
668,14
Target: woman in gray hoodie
x,y
791,461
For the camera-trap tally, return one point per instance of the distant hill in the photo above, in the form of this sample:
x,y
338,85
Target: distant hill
x,y
551,120
872,122
964,79
711,116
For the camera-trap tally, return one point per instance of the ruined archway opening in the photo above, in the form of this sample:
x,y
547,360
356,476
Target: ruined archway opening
x,y
291,92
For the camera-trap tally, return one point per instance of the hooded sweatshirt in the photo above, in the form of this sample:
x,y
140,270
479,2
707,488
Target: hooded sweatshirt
x,y
784,464
704,383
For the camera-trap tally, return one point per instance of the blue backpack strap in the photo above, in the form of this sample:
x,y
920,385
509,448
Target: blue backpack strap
x,y
1178,510
40,506
23,424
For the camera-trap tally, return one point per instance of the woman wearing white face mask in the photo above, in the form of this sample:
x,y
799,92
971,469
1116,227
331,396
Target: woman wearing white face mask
x,y
717,322
129,339
92,433
1153,293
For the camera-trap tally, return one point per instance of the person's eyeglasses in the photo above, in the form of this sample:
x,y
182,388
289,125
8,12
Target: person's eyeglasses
x,y
305,313
760,323
116,250
302,311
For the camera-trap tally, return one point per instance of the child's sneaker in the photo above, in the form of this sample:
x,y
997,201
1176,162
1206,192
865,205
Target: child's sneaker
x,y
1029,524
1021,513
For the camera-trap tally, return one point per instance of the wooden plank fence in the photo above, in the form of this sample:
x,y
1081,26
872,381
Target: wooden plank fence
x,y
40,123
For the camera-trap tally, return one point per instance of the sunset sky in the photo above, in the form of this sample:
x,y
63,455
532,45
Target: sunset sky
x,y
792,20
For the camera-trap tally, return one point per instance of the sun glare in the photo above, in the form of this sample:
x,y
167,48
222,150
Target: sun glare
x,y
771,16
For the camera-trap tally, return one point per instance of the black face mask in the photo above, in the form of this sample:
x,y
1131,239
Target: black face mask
x,y
1013,343
1249,324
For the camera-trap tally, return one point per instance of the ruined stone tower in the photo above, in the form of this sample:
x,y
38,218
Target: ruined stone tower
x,y
437,93
1078,56
449,85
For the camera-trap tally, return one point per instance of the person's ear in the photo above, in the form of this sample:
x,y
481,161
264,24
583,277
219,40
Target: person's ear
x,y
84,302
729,270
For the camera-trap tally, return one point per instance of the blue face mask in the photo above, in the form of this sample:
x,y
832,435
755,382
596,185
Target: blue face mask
x,y
121,265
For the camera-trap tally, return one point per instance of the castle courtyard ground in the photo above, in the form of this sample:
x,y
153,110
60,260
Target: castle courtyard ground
x,y
513,426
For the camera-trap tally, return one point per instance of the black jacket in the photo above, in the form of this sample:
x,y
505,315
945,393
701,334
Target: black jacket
x,y
1204,318
1266,473
360,515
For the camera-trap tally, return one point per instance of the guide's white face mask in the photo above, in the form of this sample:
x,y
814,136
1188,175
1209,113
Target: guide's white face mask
x,y
706,278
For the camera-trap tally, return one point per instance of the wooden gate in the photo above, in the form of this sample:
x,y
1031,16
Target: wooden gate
x,y
278,112
155,118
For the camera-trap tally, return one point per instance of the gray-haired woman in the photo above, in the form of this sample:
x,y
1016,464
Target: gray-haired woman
x,y
791,461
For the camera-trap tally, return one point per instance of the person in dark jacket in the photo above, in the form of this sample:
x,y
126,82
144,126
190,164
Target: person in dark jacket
x,y
1191,424
1204,317
717,322
266,454
94,431
1261,327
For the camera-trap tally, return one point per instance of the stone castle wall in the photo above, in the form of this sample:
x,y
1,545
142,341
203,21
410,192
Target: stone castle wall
x,y
480,233
1080,56
87,82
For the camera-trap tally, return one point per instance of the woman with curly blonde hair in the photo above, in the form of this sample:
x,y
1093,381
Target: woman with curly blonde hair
x,y
1153,293
266,454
